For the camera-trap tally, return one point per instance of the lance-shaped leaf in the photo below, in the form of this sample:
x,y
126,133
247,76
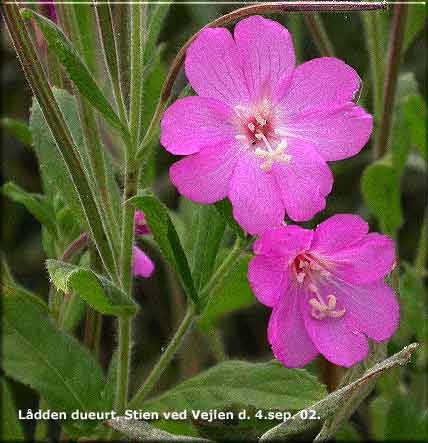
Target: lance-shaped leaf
x,y
166,237
239,383
207,234
334,401
58,367
157,17
36,204
96,290
76,69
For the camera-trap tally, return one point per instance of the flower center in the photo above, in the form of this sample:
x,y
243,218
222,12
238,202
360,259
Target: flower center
x,y
309,271
257,132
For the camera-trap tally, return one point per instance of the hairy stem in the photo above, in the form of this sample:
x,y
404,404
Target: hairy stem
x,y
165,359
110,50
38,82
262,8
392,68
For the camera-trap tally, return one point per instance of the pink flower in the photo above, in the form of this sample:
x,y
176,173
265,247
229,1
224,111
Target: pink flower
x,y
261,130
326,290
140,223
142,266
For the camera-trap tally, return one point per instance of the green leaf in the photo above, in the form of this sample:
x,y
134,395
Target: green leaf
x,y
76,69
55,175
403,420
36,204
415,22
415,113
10,429
412,306
225,209
167,239
96,290
157,17
381,191
239,383
207,234
234,294
17,128
86,24
37,354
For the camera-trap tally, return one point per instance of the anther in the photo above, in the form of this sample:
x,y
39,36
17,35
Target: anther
x,y
252,127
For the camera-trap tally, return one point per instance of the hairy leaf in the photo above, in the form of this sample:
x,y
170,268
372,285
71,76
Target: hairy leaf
x,y
239,383
37,354
157,17
96,290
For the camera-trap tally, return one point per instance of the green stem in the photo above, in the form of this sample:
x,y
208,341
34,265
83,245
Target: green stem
x,y
374,48
137,25
394,60
110,50
38,82
319,34
164,360
124,353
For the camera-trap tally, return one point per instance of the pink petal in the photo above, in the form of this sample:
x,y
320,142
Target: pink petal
x,y
192,123
373,309
267,278
336,130
285,241
213,67
338,232
254,196
319,82
287,334
267,54
366,261
333,338
304,182
142,266
204,177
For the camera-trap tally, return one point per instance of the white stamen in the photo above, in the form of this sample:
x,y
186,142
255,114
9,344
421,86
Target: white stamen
x,y
252,127
241,137
260,120
271,156
321,310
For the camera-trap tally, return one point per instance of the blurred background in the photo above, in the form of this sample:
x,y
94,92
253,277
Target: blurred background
x,y
162,302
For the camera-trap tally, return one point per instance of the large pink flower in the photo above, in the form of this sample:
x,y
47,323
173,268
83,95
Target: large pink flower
x,y
326,288
261,130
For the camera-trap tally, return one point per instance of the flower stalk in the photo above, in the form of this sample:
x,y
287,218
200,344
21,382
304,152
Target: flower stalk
x,y
319,34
